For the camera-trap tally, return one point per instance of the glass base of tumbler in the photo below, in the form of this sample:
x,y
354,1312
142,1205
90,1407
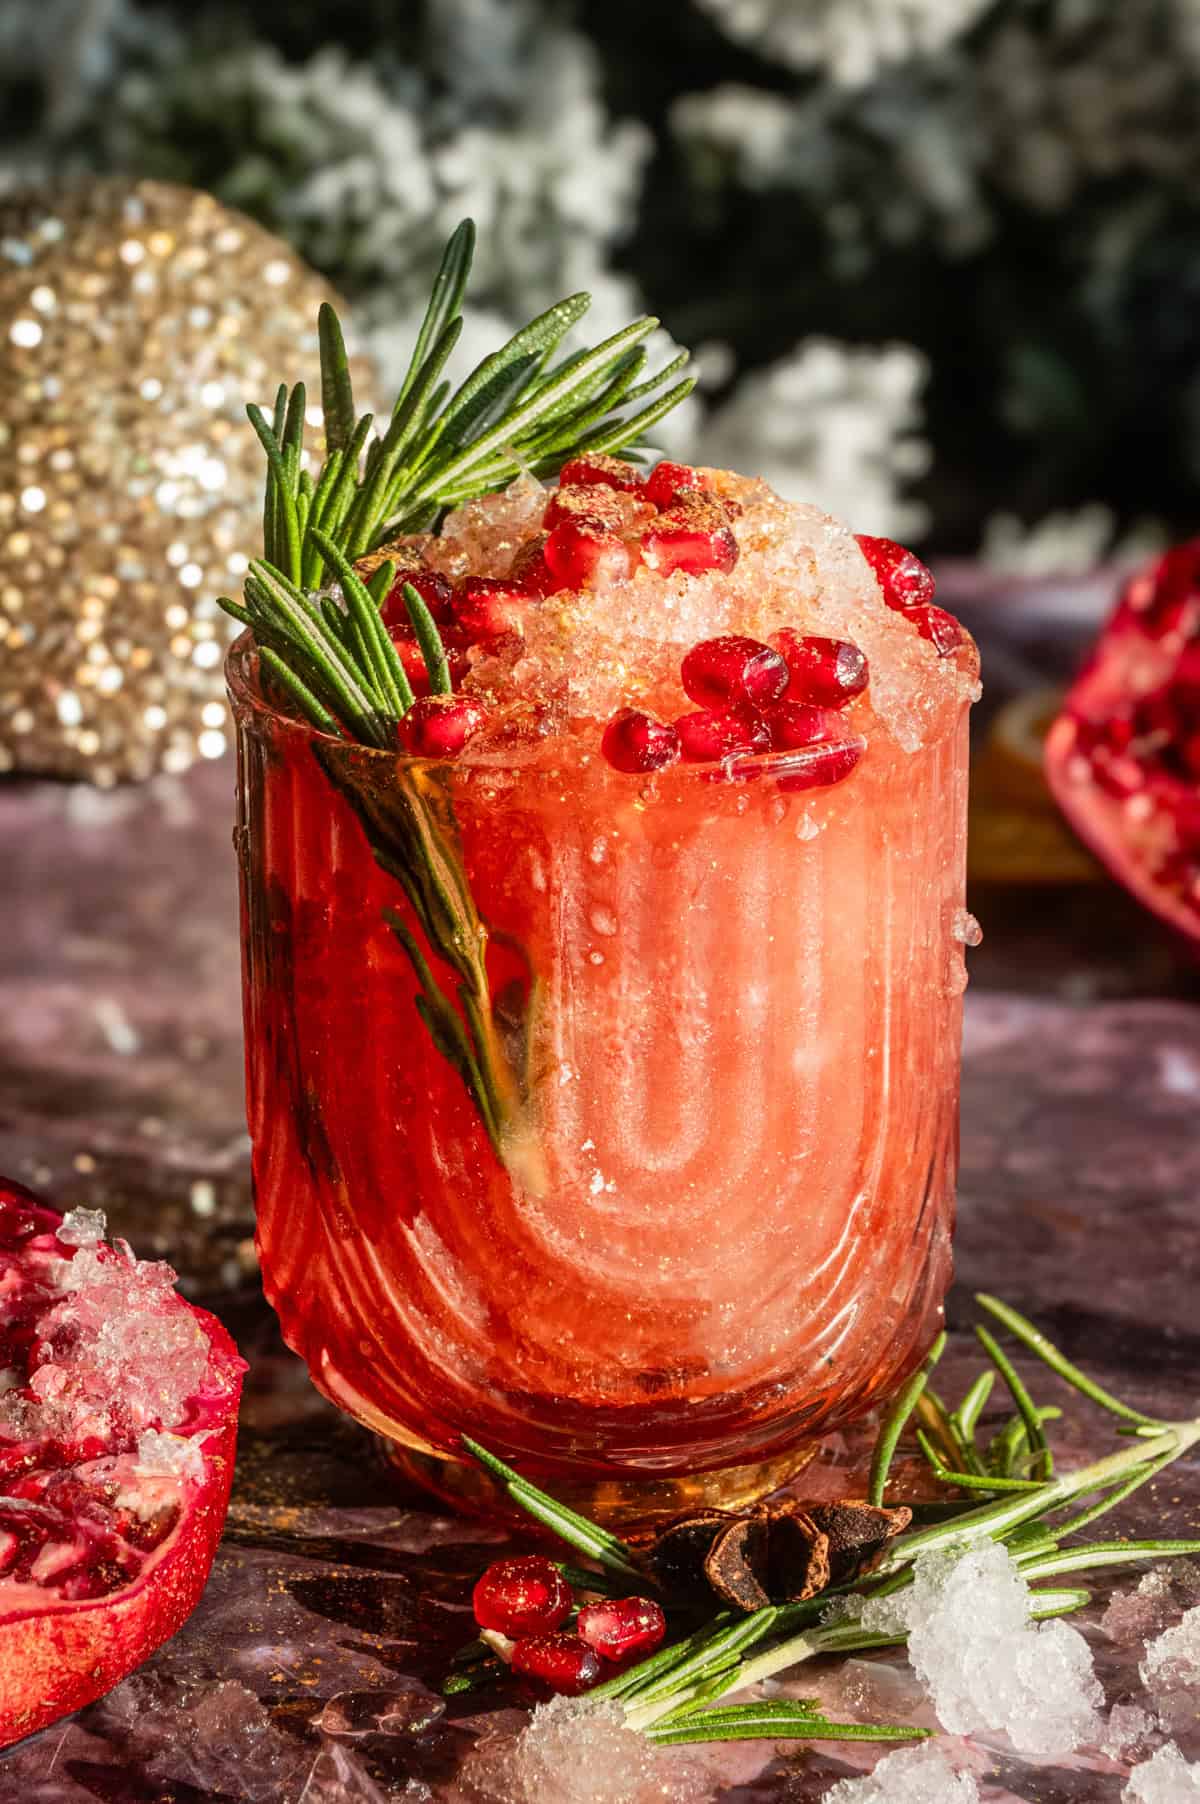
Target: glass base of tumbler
x,y
617,1503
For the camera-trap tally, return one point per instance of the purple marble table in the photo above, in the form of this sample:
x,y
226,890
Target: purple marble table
x,y
120,1087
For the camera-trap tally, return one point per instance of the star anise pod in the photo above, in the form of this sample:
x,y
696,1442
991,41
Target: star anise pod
x,y
776,1553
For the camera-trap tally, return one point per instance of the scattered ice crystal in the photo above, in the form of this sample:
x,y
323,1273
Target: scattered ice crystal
x,y
1128,1731
82,1228
1171,1672
985,1664
1166,1778
1148,1609
577,1752
911,1776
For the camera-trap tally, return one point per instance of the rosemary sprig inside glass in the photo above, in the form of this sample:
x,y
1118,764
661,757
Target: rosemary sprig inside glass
x,y
524,409
1011,1495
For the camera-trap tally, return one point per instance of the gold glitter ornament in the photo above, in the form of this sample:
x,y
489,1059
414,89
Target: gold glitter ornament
x,y
135,324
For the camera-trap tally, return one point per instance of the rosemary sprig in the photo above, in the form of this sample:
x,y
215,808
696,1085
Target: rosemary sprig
x,y
523,408
675,1694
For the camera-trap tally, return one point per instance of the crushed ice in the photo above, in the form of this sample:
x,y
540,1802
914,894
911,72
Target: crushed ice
x,y
586,654
82,1228
910,1776
985,1664
574,1751
1166,1778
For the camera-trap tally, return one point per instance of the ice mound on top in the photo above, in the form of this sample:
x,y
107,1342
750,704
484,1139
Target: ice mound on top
x,y
616,637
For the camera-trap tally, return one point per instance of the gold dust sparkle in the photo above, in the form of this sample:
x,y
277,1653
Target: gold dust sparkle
x,y
135,324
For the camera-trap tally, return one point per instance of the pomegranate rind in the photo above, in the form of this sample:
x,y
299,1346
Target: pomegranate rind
x,y
58,1656
1130,842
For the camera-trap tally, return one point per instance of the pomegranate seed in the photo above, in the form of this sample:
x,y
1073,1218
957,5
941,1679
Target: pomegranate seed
x,y
563,1662
526,1596
905,581
830,751
667,482
600,472
578,554
488,609
940,628
693,535
635,742
530,570
793,724
734,670
714,733
588,506
621,1628
435,590
829,671
438,726
413,660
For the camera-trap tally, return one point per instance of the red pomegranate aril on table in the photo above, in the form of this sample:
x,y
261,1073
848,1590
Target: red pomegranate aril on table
x,y
636,742
524,1596
563,1662
622,1628
667,482
439,726
580,555
693,535
903,578
733,670
488,608
601,471
941,629
715,733
435,590
830,672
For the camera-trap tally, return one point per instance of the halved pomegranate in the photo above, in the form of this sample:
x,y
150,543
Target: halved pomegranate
x,y
118,1420
1123,757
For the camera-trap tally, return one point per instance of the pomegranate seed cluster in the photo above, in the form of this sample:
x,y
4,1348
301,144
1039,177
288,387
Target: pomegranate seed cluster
x,y
524,1608
688,615
1135,719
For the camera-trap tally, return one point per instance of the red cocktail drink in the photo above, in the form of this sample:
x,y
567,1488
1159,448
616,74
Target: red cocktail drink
x,y
668,1190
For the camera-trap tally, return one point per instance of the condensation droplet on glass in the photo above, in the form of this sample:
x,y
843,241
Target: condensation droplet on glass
x,y
595,958
965,928
603,920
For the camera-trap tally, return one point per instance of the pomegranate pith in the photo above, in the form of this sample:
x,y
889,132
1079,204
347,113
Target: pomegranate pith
x,y
635,742
107,1535
715,733
564,1663
830,672
903,579
622,1628
526,1596
733,671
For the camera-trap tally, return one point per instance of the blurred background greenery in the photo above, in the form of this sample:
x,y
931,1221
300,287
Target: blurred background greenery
x,y
940,259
